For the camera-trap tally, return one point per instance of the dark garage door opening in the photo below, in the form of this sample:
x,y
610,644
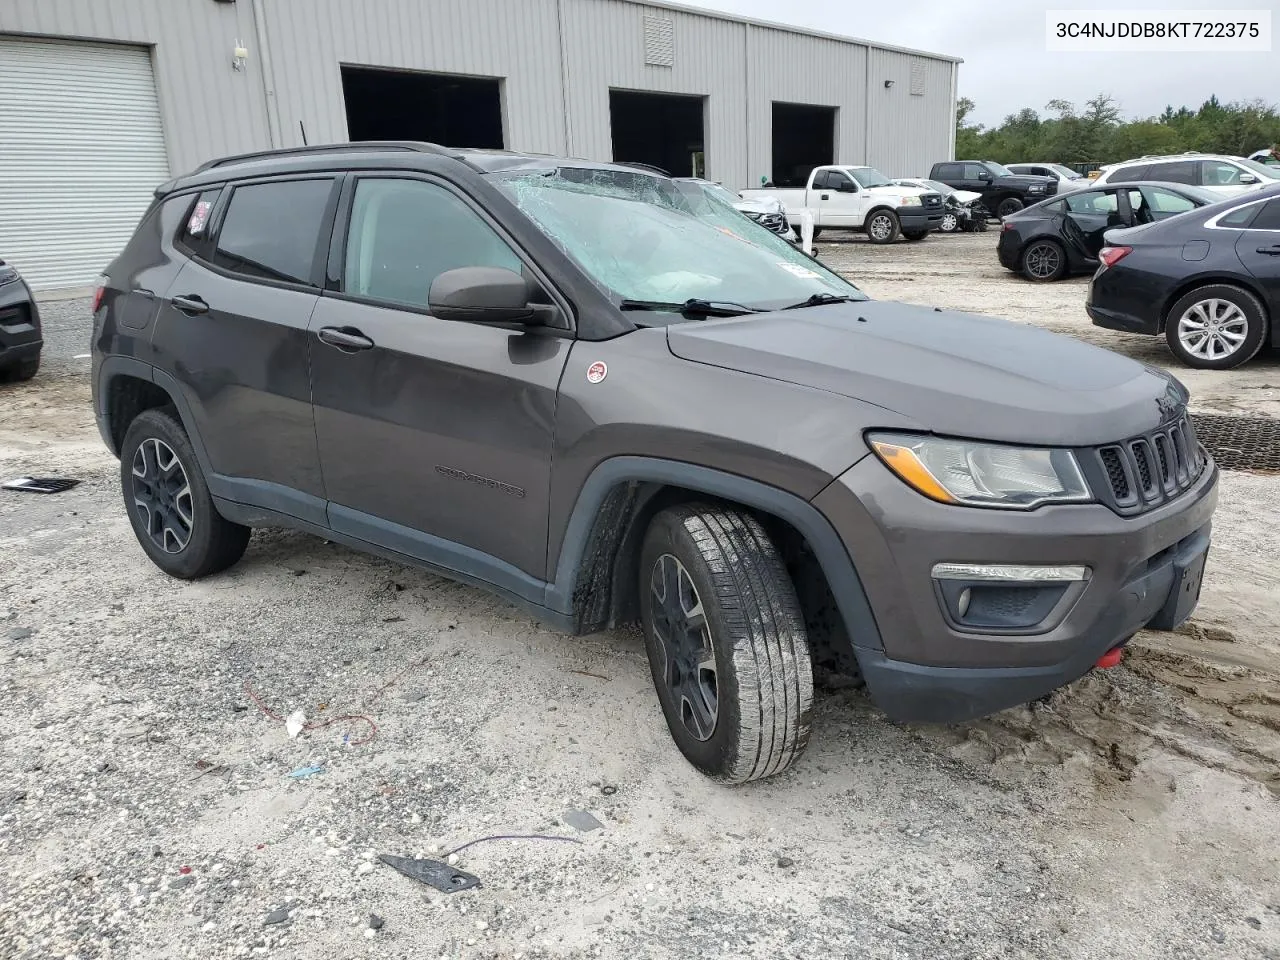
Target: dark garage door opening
x,y
439,108
804,137
660,129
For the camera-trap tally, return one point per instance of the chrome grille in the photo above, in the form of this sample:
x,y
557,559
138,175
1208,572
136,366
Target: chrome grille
x,y
1144,472
932,201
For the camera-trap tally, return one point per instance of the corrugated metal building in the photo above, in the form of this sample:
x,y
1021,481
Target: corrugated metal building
x,y
102,99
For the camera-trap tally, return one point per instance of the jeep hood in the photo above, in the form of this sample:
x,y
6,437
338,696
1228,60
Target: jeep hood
x,y
951,373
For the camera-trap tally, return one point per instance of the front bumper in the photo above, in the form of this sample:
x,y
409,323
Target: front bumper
x,y
928,669
20,334
918,218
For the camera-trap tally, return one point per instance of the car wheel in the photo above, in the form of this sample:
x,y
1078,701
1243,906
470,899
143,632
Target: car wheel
x,y
24,369
169,504
915,234
1043,261
726,642
882,226
1008,207
950,223
1216,327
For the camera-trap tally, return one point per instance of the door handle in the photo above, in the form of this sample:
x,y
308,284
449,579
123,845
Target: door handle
x,y
826,196
1270,251
346,339
190,304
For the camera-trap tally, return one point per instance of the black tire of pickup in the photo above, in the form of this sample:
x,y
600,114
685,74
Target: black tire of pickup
x,y
914,235
1008,207
726,642
212,543
882,226
24,369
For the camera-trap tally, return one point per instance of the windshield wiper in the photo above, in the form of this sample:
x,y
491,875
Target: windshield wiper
x,y
693,307
821,300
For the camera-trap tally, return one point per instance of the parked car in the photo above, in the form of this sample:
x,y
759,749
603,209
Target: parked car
x,y
1225,176
766,211
1003,193
21,339
495,365
1267,158
1067,178
858,198
962,209
1209,281
1063,235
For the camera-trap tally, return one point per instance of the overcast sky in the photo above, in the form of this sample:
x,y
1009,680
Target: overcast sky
x,y
1006,66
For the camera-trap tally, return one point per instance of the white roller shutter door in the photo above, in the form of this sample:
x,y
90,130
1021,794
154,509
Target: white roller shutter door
x,y
81,153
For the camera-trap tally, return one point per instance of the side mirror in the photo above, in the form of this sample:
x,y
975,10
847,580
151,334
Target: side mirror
x,y
481,295
847,186
1248,178
985,175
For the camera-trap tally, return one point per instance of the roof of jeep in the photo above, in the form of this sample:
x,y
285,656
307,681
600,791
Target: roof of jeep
x,y
407,154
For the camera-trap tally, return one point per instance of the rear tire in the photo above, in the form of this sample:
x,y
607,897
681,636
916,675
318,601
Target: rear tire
x,y
1231,318
726,642
882,226
1044,261
169,504
1008,207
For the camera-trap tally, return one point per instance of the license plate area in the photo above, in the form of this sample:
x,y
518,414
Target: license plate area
x,y
1188,576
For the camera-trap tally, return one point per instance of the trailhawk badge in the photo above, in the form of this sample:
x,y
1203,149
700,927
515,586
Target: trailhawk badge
x,y
597,372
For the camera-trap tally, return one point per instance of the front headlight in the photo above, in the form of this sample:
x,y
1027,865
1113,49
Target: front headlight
x,y
982,474
909,201
1036,188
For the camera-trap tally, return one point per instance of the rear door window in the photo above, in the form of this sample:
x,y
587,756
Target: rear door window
x,y
821,179
1177,171
272,231
1091,203
1165,203
950,171
1268,217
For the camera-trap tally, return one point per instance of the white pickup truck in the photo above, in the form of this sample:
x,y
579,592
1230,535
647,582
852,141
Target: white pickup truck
x,y
859,198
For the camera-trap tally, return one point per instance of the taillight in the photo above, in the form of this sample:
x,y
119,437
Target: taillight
x,y
97,296
1110,256
1007,226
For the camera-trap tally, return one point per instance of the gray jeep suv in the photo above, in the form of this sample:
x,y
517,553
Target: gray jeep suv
x,y
568,383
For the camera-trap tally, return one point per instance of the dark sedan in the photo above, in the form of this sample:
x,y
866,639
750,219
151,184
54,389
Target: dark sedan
x,y
1209,281
1063,235
20,339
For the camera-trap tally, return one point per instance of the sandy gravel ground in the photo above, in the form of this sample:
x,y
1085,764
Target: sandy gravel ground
x,y
145,810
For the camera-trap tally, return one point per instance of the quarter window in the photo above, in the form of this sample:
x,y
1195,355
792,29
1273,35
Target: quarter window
x,y
1240,216
405,233
272,230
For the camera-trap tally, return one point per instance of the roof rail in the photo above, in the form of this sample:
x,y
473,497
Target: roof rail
x,y
408,145
641,166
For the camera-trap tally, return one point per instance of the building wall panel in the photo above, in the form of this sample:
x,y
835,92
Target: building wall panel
x,y
907,134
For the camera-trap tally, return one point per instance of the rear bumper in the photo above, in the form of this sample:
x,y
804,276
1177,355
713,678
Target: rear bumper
x,y
1008,250
932,667
20,334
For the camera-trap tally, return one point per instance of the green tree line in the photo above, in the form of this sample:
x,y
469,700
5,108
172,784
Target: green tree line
x,y
1097,134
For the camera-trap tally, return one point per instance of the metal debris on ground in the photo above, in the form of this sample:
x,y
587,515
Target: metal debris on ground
x,y
40,484
303,772
443,877
582,820
295,723
1240,443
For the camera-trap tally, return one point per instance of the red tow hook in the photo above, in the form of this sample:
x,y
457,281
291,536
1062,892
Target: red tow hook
x,y
1110,659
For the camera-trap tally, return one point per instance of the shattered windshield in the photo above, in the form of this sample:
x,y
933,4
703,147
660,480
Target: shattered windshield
x,y
645,238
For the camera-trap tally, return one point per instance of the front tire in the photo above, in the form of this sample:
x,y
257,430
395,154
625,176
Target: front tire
x,y
169,503
1216,327
914,235
1008,207
25,369
726,642
950,223
883,226
1044,261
